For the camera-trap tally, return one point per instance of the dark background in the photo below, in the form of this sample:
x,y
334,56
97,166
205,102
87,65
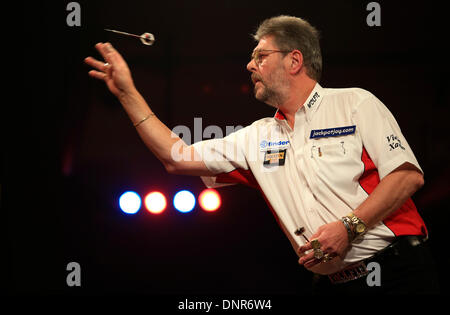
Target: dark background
x,y
70,149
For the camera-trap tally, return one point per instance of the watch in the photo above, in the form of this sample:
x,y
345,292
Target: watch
x,y
359,226
348,227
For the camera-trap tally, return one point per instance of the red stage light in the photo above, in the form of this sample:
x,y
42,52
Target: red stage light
x,y
155,202
209,200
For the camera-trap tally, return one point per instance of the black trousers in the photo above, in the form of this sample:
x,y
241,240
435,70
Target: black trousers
x,y
404,269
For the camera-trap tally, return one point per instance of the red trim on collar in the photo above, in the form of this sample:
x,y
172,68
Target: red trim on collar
x,y
280,115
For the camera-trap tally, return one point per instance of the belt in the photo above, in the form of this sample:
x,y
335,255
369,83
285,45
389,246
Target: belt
x,y
359,269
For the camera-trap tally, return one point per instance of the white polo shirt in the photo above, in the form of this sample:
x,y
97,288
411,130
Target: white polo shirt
x,y
343,142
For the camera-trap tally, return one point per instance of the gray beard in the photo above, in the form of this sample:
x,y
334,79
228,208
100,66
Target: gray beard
x,y
276,94
270,97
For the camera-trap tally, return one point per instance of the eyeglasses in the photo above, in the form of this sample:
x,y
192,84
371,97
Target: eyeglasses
x,y
258,55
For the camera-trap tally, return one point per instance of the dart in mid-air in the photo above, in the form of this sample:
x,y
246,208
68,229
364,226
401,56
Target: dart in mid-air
x,y
146,38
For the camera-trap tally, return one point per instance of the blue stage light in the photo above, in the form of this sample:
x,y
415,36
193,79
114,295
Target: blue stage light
x,y
184,201
130,202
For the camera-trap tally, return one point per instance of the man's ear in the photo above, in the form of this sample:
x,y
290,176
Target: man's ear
x,y
296,61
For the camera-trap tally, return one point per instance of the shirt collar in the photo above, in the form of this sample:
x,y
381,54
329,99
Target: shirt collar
x,y
310,106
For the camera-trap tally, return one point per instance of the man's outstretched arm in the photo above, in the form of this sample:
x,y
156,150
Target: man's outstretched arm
x,y
157,137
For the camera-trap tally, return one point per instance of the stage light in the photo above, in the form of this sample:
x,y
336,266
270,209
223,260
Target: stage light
x,y
130,202
209,200
184,201
155,202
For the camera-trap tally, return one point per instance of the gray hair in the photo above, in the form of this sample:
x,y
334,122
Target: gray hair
x,y
295,33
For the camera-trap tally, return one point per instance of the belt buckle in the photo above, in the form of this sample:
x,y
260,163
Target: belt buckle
x,y
349,273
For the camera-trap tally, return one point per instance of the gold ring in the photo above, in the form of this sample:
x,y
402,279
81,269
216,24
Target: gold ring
x,y
318,253
315,244
327,257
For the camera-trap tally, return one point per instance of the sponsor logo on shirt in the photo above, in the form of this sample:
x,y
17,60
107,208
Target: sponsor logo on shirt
x,y
332,132
313,100
275,157
394,142
273,144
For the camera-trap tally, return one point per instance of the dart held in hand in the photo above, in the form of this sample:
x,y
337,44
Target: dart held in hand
x,y
146,38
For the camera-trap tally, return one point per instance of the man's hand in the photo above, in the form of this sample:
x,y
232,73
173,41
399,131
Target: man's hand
x,y
333,239
114,70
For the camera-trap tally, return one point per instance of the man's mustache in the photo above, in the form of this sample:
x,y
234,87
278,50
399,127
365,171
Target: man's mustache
x,y
256,78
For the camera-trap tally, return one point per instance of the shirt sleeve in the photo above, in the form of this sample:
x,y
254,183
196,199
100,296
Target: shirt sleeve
x,y
222,156
382,137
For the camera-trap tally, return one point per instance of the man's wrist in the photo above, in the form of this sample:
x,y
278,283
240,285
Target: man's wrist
x,y
135,106
348,227
354,225
127,97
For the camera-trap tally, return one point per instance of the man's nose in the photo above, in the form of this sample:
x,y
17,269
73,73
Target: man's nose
x,y
251,66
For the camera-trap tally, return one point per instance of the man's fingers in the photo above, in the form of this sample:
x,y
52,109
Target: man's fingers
x,y
108,52
104,68
96,64
116,59
101,48
312,263
111,56
309,260
97,74
306,258
305,248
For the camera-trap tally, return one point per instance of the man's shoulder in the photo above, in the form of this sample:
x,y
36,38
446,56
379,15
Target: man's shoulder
x,y
255,126
352,95
263,122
